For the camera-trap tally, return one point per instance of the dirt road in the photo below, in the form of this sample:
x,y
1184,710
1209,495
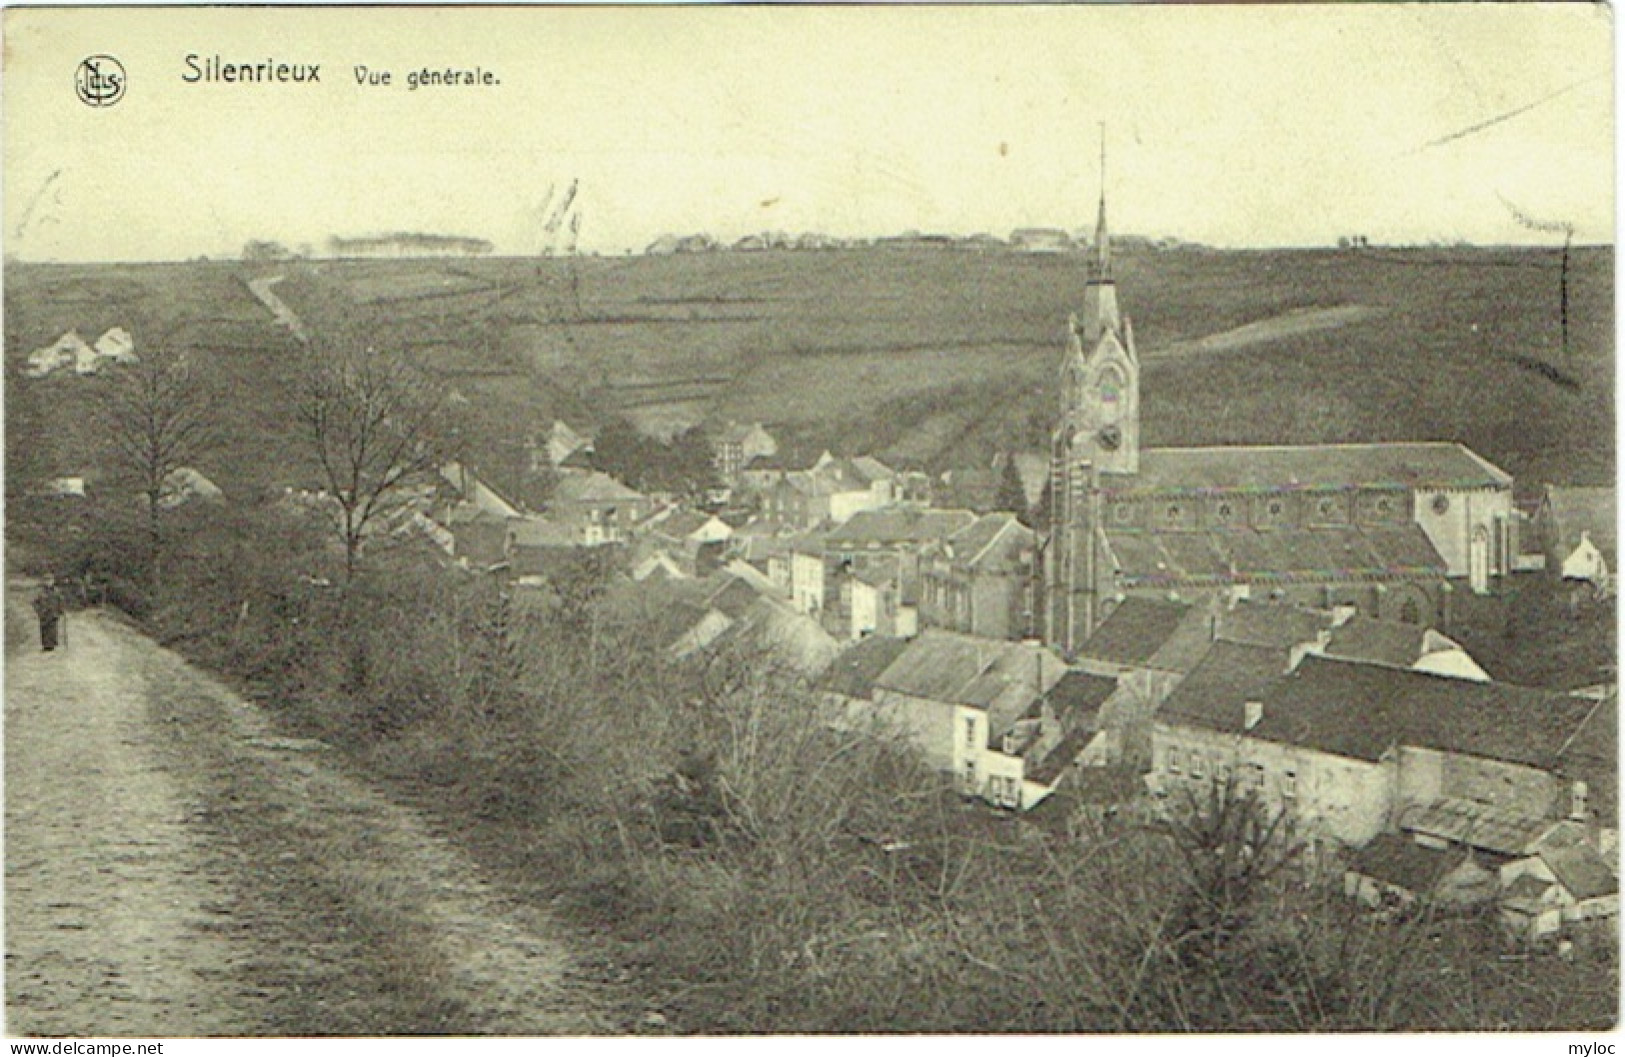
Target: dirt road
x,y
173,867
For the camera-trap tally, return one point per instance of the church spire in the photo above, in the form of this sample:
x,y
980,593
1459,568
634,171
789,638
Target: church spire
x,y
1103,242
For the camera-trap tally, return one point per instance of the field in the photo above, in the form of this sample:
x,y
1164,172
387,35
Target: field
x,y
931,357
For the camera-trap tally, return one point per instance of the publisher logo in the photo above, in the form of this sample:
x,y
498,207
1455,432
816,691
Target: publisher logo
x,y
99,80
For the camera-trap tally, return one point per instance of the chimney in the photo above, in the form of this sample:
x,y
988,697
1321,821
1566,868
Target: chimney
x,y
1252,712
1578,806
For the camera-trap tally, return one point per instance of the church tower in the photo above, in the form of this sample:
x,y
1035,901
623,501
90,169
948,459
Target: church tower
x,y
1097,436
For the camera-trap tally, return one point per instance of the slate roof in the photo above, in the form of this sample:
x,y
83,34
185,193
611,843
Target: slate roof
x,y
1427,464
680,524
1272,624
1582,871
536,532
1213,694
1388,642
1398,860
1244,555
987,542
962,669
1061,757
592,487
892,525
1134,631
1076,698
1361,710
854,672
1475,825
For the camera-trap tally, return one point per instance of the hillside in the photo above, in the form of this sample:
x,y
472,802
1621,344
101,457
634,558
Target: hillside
x,y
926,356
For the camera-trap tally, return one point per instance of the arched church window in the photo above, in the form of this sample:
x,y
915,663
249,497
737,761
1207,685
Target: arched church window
x,y
1173,512
1410,612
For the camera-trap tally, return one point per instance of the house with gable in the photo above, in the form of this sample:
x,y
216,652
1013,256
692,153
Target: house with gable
x,y
980,579
956,696
598,508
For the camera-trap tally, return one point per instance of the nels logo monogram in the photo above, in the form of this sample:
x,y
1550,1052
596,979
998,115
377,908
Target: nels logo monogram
x,y
99,80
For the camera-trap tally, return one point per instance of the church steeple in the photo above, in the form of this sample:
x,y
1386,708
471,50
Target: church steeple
x,y
1103,244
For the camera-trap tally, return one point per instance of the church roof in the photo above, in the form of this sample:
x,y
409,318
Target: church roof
x,y
1283,555
1426,464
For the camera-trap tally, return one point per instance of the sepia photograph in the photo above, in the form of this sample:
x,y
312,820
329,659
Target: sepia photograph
x,y
1008,520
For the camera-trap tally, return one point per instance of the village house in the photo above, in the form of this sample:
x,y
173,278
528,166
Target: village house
x,y
736,446
1388,528
598,508
1394,871
1063,728
831,491
872,602
1351,750
1577,531
954,697
71,351
560,446
473,492
894,537
1558,887
686,543
980,579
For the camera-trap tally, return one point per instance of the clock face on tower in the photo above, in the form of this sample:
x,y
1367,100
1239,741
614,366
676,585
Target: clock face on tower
x,y
1110,437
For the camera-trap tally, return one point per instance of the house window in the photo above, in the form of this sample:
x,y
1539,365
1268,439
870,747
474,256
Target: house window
x,y
1198,766
1173,761
1289,784
968,777
1221,773
1256,777
970,732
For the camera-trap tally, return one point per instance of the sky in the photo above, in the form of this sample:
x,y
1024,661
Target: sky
x,y
1234,126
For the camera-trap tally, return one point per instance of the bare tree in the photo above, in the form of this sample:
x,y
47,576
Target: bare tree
x,y
377,425
159,417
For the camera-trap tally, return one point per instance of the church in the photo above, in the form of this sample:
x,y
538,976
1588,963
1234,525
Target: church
x,y
1391,528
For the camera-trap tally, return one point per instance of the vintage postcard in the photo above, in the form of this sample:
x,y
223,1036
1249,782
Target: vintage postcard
x,y
709,521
